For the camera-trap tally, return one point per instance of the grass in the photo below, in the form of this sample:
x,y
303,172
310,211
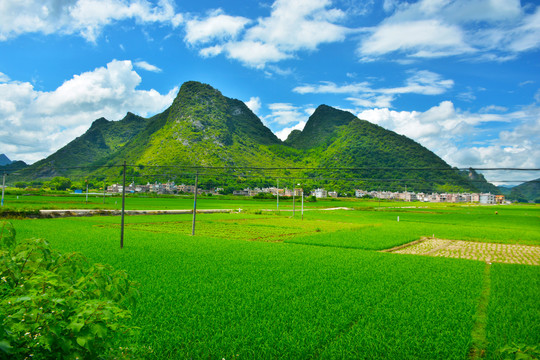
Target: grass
x,y
271,286
514,309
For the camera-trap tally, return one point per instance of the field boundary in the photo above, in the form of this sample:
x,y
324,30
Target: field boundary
x,y
478,334
399,247
93,212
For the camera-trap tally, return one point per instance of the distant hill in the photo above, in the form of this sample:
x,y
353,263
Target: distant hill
x,y
204,128
8,166
4,160
505,189
102,139
526,192
13,166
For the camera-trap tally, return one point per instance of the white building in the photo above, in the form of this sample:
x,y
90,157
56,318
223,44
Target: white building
x,y
487,199
319,193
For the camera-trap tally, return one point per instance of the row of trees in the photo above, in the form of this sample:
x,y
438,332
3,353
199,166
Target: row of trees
x,y
60,183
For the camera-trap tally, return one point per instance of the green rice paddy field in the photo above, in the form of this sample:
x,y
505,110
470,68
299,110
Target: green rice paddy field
x,y
263,285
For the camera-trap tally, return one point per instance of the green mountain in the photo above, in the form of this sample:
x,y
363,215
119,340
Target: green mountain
x,y
505,189
204,128
102,139
337,139
13,166
321,128
528,191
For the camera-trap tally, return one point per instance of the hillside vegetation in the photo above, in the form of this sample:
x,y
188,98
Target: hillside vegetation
x,y
204,128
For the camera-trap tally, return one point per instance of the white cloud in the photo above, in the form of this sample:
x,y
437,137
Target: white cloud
x,y
37,123
284,114
422,82
489,30
452,133
422,38
371,100
217,26
495,108
3,77
284,133
363,94
146,66
299,24
254,54
328,87
254,104
211,51
293,25
86,18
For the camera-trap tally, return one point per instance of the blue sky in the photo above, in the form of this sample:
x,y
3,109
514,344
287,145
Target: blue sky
x,y
461,77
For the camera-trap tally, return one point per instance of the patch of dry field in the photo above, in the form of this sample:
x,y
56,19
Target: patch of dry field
x,y
501,253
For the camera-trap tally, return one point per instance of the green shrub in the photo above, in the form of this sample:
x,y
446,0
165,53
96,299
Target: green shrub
x,y
55,305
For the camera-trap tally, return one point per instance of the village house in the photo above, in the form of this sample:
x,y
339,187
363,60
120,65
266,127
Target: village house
x,y
487,198
333,194
319,193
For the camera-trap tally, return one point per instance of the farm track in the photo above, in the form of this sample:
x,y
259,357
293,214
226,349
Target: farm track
x,y
91,212
488,252
479,338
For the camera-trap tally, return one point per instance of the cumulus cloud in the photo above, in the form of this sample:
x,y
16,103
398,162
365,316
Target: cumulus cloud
x,y
37,123
254,54
284,114
146,66
482,29
284,133
363,94
423,38
292,26
458,136
217,26
86,18
254,104
285,117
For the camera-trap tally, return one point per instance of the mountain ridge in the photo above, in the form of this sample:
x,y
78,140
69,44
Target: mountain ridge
x,y
202,127
4,160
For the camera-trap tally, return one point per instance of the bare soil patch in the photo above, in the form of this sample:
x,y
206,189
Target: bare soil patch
x,y
488,252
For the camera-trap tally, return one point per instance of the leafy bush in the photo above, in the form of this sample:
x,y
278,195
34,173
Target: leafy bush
x,y
264,196
520,351
59,183
55,305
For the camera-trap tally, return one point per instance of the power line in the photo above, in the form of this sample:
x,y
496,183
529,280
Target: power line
x,y
255,168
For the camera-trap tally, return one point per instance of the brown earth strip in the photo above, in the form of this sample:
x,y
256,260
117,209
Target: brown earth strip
x,y
488,252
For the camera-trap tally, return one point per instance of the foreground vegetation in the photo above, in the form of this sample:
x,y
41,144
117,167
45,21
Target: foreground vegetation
x,y
264,285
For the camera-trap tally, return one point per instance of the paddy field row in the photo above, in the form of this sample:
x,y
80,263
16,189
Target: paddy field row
x,y
266,285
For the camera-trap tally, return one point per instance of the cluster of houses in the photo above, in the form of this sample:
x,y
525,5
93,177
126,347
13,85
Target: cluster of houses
x,y
167,188
482,198
172,188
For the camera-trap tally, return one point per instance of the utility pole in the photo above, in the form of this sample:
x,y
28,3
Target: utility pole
x,y
3,187
123,207
293,200
302,203
86,191
195,203
278,195
104,189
